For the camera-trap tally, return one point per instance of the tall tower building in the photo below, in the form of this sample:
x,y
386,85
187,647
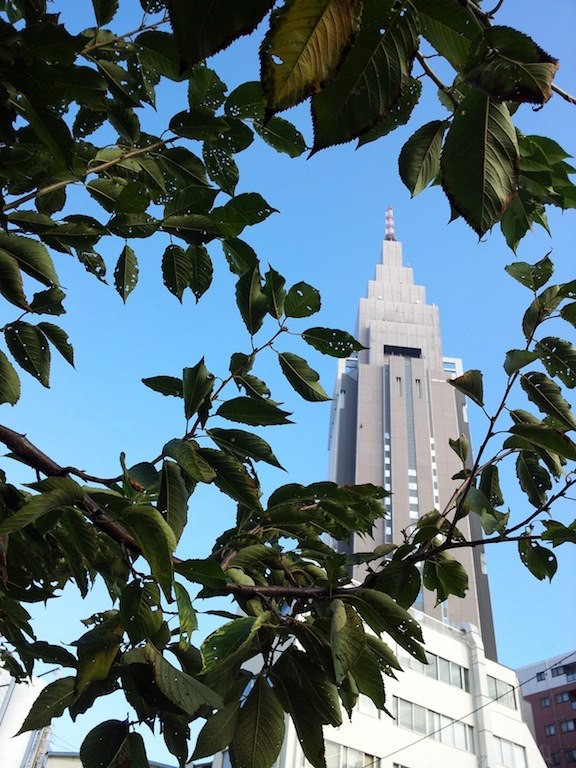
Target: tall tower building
x,y
392,416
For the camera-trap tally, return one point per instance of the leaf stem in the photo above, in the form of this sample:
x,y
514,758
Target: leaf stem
x,y
434,77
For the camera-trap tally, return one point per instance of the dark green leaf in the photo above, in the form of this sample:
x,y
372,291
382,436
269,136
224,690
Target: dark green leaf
x,y
188,456
221,166
347,638
401,581
490,485
540,561
31,256
547,397
545,436
532,276
449,27
9,382
470,384
126,273
275,292
51,702
103,743
240,256
398,115
205,572
259,732
173,498
217,732
166,385
244,445
281,136
460,447
48,302
62,492
558,533
241,211
29,347
559,358
104,11
232,478
533,478
419,159
252,301
517,359
59,339
176,270
302,300
331,341
198,382
247,410
301,377
11,284
186,615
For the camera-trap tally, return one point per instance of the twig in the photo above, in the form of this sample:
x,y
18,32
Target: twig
x,y
564,94
434,77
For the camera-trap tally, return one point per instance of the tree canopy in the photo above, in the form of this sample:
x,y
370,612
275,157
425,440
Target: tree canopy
x,y
79,133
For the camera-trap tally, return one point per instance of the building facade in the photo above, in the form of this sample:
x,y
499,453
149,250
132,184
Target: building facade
x,y
26,749
549,691
393,413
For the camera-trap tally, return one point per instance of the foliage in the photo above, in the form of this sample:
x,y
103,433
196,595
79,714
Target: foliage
x,y
72,108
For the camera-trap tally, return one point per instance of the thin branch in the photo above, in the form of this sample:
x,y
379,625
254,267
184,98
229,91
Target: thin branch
x,y
564,94
495,10
141,28
434,77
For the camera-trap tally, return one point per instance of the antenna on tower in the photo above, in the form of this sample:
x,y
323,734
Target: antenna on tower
x,y
390,224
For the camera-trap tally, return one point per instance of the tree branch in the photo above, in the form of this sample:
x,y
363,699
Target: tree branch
x,y
434,77
564,94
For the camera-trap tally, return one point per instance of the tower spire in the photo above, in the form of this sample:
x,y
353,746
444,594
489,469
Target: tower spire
x,y
390,224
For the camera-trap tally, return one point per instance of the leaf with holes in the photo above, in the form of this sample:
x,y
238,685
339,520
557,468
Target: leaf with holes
x,y
221,166
545,436
533,478
540,561
546,396
243,210
331,341
533,276
126,273
397,115
559,358
301,377
29,347
282,136
59,340
302,300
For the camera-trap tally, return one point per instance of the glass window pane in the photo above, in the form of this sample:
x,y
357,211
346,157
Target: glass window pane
x,y
432,668
498,750
332,755
492,687
433,724
507,753
447,732
443,670
367,706
404,713
455,677
460,735
355,758
419,715
519,756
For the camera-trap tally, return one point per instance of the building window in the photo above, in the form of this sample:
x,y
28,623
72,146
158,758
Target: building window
x,y
550,730
545,701
399,386
509,754
568,725
541,676
418,389
571,755
503,693
339,756
438,727
559,670
556,758
562,697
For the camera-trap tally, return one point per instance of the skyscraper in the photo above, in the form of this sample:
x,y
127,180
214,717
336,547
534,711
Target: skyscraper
x,y
393,414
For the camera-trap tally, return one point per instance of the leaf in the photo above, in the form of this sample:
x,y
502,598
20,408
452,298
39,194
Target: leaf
x,y
126,273
303,48
548,438
221,166
9,382
102,744
186,615
372,78
243,445
517,359
302,300
301,377
282,135
51,703
59,340
104,11
158,51
206,572
532,276
11,284
533,478
252,302
202,30
509,66
198,383
401,581
559,358
30,349
540,561
449,27
232,478
166,385
241,211
368,677
470,384
558,533
419,159
240,256
347,638
479,162
257,413
188,456
546,395
490,485
156,540
176,270
48,302
397,115
217,732
173,498
62,492
460,447
31,256
275,292
331,341
139,610
259,732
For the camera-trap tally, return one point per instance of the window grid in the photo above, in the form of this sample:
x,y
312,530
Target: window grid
x,y
504,693
439,727
509,754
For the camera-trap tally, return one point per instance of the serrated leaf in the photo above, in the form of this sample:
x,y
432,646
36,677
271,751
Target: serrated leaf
x,y
368,677
173,498
548,438
479,162
540,561
559,359
533,276
62,492
331,341
217,732
9,382
568,313
259,732
126,273
59,339
198,383
206,572
347,638
188,456
247,410
401,581
372,78
48,302
51,703
490,485
301,377
166,385
221,166
31,256
11,283
244,445
517,359
240,256
241,211
419,159
558,533
302,300
275,292
232,478
201,270
547,397
186,615
252,301
205,89
104,11
449,27
30,349
397,115
533,478
470,384
176,270
282,136
460,447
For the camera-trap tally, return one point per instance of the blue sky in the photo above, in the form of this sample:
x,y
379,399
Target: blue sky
x,y
328,233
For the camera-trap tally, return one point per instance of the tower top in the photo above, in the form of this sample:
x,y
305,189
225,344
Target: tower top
x,y
390,224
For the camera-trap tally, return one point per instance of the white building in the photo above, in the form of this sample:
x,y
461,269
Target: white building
x,y
21,751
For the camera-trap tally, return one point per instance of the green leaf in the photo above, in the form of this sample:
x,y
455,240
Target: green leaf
x,y
331,341
59,340
198,383
126,273
186,615
301,377
559,358
205,572
130,225
139,610
51,703
275,292
546,395
9,382
302,300
533,276
205,89
545,436
540,561
252,301
48,302
243,445
188,456
449,27
232,478
479,161
368,677
490,485
240,256
221,166
156,540
103,743
257,413
347,638
104,11
470,384
568,313
158,51
31,256
30,349
401,581
509,66
451,577
242,211
372,78
11,284
259,732
419,159
202,30
201,270
303,48
517,359
173,498
217,732
398,115
282,135
62,492
176,270
558,533
166,385
460,447
533,478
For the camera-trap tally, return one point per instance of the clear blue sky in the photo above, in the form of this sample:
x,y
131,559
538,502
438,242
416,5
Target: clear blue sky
x,y
328,233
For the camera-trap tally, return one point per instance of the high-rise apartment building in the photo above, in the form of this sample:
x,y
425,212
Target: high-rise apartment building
x,y
392,416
